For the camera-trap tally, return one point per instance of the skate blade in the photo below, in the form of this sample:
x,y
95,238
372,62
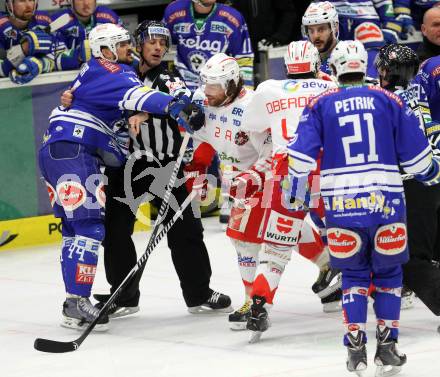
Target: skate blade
x,y
124,311
332,307
237,326
387,371
76,324
255,337
207,310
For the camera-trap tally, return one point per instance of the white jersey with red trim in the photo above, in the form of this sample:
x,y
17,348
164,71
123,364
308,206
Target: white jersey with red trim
x,y
223,130
278,104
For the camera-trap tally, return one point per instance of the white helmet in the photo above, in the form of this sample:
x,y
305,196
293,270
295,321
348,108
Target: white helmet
x,y
220,69
107,35
301,57
320,13
348,57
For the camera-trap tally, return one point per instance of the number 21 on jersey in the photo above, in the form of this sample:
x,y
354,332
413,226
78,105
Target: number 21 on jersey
x,y
355,121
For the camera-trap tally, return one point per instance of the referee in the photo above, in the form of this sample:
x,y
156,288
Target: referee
x,y
159,137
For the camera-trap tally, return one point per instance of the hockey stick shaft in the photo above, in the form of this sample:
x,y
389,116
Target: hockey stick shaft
x,y
53,346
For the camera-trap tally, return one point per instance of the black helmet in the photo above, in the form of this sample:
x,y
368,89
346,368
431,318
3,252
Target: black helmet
x,y
399,63
149,29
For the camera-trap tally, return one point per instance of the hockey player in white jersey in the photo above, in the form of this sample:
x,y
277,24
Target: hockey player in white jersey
x,y
246,154
278,105
320,25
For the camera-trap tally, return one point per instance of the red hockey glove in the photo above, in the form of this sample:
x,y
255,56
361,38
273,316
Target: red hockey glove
x,y
194,179
246,184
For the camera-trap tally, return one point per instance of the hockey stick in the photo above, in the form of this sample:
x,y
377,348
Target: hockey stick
x,y
164,205
53,346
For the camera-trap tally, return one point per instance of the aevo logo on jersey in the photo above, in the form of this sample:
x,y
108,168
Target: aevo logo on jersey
x,y
220,27
198,43
291,86
182,27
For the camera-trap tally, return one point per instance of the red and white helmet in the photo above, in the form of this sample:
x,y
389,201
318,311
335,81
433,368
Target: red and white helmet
x,y
348,57
9,4
369,34
107,35
323,12
220,69
301,57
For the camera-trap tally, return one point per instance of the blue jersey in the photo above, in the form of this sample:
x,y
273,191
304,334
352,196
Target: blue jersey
x,y
429,79
103,91
11,36
365,9
224,30
70,36
362,150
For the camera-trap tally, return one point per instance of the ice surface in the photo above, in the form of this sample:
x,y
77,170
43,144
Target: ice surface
x,y
163,339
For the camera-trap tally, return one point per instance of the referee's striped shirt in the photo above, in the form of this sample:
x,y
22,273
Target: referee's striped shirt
x,y
160,135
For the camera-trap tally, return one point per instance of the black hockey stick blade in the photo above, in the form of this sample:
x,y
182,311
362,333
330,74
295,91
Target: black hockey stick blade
x,y
53,346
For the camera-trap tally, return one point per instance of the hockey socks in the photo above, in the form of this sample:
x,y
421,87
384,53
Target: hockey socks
x,y
79,257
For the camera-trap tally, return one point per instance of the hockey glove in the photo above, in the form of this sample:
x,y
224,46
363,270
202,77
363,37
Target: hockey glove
x,y
194,180
433,176
296,193
38,41
179,110
407,24
30,68
246,184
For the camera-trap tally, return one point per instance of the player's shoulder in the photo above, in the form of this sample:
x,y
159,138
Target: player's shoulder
x,y
106,15
176,10
382,93
326,95
42,18
244,97
431,66
229,15
4,21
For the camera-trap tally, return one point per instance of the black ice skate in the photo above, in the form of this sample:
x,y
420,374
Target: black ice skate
x,y
328,288
115,310
238,319
216,303
388,359
357,352
258,321
79,312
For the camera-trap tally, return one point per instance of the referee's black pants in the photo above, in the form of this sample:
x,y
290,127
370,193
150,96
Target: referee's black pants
x,y
185,238
423,219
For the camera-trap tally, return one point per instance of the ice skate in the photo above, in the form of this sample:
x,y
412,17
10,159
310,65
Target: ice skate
x,y
357,353
79,312
333,302
408,297
216,303
258,321
388,359
238,319
328,288
115,310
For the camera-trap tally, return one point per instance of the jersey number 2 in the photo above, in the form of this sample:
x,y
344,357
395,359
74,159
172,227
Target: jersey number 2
x,y
355,119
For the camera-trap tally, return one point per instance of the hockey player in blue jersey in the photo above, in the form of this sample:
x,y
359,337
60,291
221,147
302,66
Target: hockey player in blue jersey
x,y
72,44
23,36
363,195
320,25
203,28
397,65
429,78
78,142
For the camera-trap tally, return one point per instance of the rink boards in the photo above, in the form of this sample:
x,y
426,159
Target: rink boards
x,y
45,230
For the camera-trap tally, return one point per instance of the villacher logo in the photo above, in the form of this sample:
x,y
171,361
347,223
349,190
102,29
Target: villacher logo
x,y
7,237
